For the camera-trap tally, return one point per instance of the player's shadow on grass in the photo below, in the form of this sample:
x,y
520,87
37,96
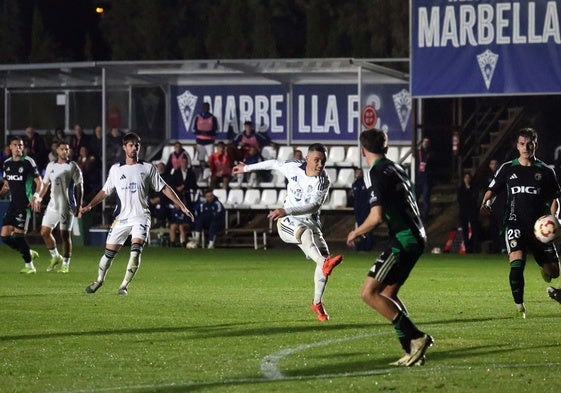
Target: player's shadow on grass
x,y
196,332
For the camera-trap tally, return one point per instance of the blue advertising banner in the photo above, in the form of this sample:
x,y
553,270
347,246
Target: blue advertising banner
x,y
485,47
328,113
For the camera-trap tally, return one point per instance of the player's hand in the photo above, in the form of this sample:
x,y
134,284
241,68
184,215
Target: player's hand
x,y
35,205
276,214
351,238
239,168
84,210
188,213
485,209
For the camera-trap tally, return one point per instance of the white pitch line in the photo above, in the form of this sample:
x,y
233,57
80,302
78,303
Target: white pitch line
x,y
270,363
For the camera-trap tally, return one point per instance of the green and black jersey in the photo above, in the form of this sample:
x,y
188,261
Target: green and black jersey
x,y
389,186
20,175
529,191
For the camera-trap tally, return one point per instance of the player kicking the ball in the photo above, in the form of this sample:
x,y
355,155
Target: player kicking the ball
x,y
132,180
532,191
392,200
298,220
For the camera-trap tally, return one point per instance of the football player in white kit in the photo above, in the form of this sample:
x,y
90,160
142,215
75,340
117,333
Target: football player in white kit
x,y
298,220
131,180
65,180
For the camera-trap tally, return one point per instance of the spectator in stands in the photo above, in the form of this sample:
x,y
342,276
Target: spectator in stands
x,y
114,147
209,215
205,128
35,148
91,171
96,143
298,155
176,156
184,182
53,155
78,140
468,202
247,139
423,176
60,135
359,197
4,154
220,167
158,203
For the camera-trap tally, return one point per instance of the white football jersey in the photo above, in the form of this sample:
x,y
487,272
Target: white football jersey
x,y
62,178
132,184
304,194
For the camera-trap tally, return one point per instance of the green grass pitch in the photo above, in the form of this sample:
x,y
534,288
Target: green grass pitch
x,y
239,321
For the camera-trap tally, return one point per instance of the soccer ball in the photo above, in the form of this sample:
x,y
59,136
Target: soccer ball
x,y
191,244
546,228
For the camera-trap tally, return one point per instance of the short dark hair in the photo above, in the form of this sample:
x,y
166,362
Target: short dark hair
x,y
131,137
374,140
318,147
14,138
527,132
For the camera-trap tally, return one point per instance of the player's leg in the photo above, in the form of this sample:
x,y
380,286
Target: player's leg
x,y
115,239
547,258
173,227
215,226
516,250
182,234
139,233
48,224
65,226
13,232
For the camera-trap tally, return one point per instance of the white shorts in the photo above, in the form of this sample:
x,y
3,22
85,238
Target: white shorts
x,y
290,229
52,218
137,227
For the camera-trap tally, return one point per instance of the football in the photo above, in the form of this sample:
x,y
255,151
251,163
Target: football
x,y
546,228
191,244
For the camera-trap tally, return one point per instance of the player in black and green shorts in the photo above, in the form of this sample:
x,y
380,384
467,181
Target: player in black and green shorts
x,y
20,173
392,200
531,191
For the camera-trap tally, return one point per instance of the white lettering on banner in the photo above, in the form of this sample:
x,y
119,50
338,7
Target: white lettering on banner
x,y
330,123
483,24
263,110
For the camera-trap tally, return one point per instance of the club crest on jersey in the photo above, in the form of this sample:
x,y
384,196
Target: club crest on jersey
x,y
133,187
20,169
538,176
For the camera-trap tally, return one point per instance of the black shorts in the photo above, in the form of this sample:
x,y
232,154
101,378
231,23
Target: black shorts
x,y
17,217
394,265
523,239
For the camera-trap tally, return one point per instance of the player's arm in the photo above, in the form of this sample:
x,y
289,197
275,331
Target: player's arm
x,y
79,195
168,191
37,197
487,201
100,196
375,218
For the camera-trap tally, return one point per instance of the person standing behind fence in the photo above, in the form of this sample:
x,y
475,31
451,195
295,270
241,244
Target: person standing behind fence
x,y
392,200
468,202
361,208
20,172
423,176
65,180
205,128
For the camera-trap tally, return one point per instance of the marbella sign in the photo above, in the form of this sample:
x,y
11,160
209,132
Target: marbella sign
x,y
485,47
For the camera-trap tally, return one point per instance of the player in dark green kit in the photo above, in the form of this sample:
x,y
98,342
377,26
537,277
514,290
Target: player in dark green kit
x,y
531,192
20,172
392,199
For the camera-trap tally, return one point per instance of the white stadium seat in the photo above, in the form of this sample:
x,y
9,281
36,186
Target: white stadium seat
x,y
337,199
280,199
221,194
235,198
285,153
336,155
268,199
345,178
332,173
251,198
352,157
268,153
